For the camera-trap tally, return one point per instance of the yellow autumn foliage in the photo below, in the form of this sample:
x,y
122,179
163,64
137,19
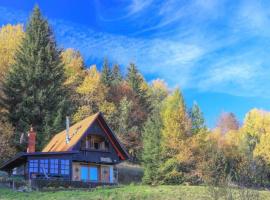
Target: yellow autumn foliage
x,y
73,65
10,39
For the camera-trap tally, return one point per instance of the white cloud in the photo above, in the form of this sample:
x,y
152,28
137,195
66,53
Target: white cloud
x,y
138,5
206,48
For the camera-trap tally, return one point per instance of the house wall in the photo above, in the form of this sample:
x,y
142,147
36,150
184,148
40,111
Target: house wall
x,y
106,173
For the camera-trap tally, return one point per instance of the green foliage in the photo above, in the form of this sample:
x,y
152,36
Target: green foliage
x,y
106,74
6,140
116,75
152,148
34,92
197,119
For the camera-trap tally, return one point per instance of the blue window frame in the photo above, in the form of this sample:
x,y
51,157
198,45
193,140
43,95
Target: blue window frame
x,y
54,166
65,167
33,166
44,166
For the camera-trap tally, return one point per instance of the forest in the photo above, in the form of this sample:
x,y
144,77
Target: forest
x,y
41,84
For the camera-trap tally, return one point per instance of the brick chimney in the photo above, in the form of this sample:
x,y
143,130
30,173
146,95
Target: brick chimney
x,y
31,141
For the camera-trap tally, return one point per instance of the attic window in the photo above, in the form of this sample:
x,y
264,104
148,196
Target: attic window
x,y
95,142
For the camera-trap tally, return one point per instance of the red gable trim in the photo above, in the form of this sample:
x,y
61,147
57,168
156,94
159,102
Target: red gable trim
x,y
111,140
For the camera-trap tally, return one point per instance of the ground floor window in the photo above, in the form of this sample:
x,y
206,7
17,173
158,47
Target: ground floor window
x,y
89,173
44,166
33,166
65,167
93,173
53,166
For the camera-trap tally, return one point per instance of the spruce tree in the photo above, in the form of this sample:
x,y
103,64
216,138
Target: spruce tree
x,y
197,119
134,78
137,83
116,75
151,155
106,75
34,92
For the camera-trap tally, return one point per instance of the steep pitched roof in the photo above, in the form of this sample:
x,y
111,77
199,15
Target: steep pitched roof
x,y
76,132
58,142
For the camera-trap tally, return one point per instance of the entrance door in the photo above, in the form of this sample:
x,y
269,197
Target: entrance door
x,y
105,174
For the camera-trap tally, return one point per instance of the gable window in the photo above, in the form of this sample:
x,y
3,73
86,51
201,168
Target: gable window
x,y
44,166
54,166
33,166
95,142
65,167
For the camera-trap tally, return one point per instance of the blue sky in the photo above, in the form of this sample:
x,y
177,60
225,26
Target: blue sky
x,y
217,52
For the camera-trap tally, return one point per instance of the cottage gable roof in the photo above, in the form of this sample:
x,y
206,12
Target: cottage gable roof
x,y
58,142
76,132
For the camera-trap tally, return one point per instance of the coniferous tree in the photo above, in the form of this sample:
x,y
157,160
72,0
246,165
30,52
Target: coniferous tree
x,y
134,78
116,75
197,119
106,75
151,155
34,92
139,86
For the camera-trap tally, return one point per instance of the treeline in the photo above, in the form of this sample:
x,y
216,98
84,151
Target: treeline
x,y
41,84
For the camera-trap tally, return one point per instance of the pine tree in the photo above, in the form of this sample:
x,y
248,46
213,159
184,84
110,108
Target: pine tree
x,y
197,119
116,75
106,75
151,155
34,92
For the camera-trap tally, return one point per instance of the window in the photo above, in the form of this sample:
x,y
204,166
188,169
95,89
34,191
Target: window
x,y
93,173
54,166
33,166
65,167
95,142
44,166
89,173
84,173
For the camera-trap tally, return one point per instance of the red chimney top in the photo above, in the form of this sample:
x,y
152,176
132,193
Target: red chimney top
x,y
31,141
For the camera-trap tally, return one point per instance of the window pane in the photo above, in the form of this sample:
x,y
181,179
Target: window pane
x,y
84,173
33,166
65,167
54,166
93,174
43,166
111,174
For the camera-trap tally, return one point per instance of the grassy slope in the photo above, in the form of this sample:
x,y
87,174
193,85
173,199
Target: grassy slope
x,y
125,193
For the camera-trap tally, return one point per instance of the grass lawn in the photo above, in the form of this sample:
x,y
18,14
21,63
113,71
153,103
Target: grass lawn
x,y
126,193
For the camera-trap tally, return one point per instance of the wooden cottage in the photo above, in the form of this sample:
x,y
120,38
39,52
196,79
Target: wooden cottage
x,y
88,151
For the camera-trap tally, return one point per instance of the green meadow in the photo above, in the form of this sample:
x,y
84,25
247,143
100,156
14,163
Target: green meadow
x,y
133,192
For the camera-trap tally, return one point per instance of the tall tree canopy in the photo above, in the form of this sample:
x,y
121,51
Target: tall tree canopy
x,y
34,92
